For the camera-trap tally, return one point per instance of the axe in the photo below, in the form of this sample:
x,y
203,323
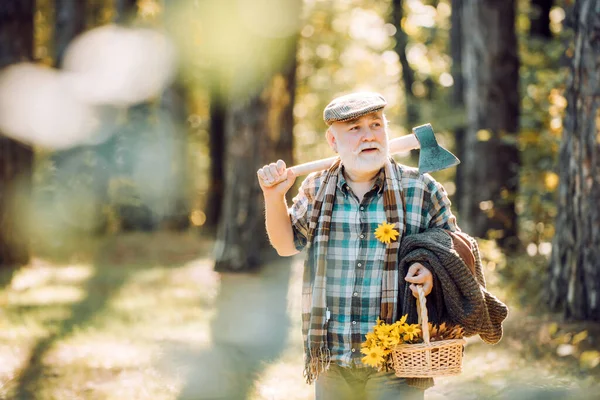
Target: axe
x,y
432,157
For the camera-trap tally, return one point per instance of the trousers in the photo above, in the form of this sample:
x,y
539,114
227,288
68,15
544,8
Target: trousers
x,y
360,383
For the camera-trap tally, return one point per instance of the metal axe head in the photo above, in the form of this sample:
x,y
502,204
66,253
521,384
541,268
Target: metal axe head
x,y
432,156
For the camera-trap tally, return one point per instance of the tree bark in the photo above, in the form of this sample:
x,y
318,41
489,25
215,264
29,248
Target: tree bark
x,y
574,284
70,22
408,75
258,131
16,159
540,19
125,10
217,157
177,216
457,96
490,164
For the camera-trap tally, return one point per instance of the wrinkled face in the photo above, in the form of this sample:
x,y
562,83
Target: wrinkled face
x,y
361,143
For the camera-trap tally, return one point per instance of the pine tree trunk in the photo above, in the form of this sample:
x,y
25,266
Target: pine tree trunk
x,y
408,75
177,209
490,164
16,159
217,158
70,22
574,285
125,10
457,99
540,19
258,131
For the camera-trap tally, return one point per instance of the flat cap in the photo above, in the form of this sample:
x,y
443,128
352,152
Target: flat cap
x,y
351,106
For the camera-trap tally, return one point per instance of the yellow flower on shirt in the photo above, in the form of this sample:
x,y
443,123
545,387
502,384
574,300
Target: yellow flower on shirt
x,y
386,233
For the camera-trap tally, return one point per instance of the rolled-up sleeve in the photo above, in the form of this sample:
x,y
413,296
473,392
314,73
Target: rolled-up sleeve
x,y
439,211
300,210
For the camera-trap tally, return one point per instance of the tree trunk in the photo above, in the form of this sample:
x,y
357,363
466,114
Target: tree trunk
x,y
490,163
457,99
217,154
16,159
70,22
95,13
125,10
540,19
259,130
408,75
177,216
575,265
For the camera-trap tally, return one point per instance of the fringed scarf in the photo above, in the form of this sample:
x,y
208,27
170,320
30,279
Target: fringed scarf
x,y
314,298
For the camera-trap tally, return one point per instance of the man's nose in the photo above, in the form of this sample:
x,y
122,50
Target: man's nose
x,y
369,134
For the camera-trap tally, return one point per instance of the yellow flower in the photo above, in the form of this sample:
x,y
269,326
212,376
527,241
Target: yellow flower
x,y
371,340
383,331
386,233
411,331
402,320
391,340
373,356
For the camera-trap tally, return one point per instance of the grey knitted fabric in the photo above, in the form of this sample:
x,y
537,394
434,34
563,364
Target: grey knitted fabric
x,y
457,297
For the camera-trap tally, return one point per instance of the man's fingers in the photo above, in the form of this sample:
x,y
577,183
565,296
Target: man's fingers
x,y
427,288
264,176
261,174
415,279
413,289
280,167
413,269
273,170
269,175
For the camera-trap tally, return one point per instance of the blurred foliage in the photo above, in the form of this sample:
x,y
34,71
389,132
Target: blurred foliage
x,y
343,46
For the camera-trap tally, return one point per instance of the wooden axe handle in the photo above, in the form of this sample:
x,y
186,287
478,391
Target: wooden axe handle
x,y
398,145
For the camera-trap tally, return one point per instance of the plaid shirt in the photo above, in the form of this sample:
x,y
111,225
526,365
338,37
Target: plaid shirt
x,y
355,258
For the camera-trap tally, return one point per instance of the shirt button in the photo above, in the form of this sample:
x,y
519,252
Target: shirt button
x,y
353,322
353,350
359,265
355,294
362,208
362,236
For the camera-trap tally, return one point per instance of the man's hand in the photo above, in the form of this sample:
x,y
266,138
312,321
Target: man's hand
x,y
419,275
273,173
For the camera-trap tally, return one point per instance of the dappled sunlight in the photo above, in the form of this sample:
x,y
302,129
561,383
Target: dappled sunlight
x,y
100,351
173,305
134,384
48,295
12,358
182,331
282,379
43,285
42,273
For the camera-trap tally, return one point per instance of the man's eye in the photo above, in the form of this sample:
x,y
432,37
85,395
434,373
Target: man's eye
x,y
377,124
354,128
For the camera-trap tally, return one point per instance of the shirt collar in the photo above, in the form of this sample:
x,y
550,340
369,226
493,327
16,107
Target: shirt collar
x,y
377,184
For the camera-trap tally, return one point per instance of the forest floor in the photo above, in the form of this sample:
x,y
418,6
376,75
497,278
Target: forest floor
x,y
146,317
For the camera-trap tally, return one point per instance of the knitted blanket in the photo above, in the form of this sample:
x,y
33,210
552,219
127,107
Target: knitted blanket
x,y
458,296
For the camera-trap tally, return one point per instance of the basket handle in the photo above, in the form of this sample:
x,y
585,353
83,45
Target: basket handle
x,y
422,311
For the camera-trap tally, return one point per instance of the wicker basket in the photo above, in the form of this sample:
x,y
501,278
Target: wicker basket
x,y
427,360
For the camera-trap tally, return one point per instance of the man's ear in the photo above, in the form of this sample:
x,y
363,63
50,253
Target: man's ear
x,y
331,139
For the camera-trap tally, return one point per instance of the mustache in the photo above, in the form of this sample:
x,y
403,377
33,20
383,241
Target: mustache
x,y
366,146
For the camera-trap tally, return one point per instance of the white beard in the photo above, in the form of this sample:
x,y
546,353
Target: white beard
x,y
359,162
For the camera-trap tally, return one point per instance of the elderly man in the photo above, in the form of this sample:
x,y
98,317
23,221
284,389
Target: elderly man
x,y
351,277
